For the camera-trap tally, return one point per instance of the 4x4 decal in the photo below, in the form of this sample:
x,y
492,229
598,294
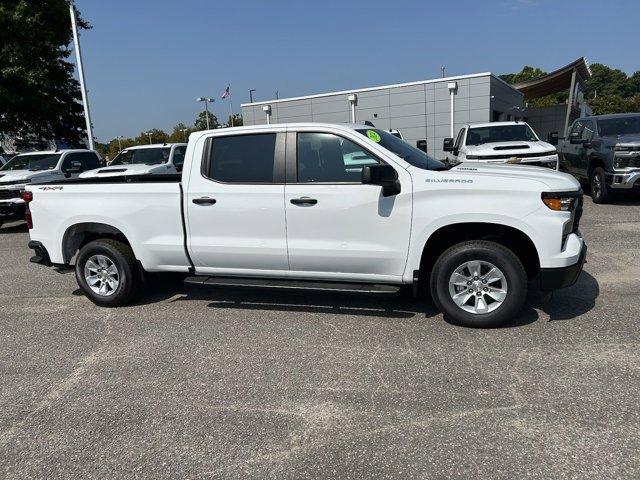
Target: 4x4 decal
x,y
50,188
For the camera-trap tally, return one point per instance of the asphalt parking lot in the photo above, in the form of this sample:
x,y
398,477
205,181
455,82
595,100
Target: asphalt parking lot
x,y
251,384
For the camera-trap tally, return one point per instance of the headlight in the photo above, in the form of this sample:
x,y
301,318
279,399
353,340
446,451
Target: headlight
x,y
561,201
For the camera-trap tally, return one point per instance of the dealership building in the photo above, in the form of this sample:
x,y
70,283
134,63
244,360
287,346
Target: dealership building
x,y
434,109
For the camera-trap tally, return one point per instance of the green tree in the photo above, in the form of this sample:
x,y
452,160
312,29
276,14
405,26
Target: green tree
x,y
607,81
237,120
180,133
201,121
157,136
39,97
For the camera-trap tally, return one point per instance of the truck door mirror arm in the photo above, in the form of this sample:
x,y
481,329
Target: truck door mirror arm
x,y
383,175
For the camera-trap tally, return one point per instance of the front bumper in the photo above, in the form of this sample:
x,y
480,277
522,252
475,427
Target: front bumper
x,y
624,181
12,210
554,278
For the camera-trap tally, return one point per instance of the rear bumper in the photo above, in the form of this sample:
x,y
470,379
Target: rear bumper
x,y
12,210
41,255
554,278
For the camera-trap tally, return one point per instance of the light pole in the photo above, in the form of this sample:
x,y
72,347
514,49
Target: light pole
x,y
206,101
149,133
184,133
119,138
251,95
83,87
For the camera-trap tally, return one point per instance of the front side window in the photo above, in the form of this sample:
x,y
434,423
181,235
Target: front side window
x,y
587,131
144,156
459,138
242,158
500,133
324,157
33,162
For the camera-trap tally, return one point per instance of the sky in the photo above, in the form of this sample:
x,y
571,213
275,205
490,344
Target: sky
x,y
147,60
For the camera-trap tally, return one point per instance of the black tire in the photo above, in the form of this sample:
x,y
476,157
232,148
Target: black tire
x,y
599,191
128,275
484,251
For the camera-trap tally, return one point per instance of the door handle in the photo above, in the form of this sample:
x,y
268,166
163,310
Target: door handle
x,y
304,201
204,201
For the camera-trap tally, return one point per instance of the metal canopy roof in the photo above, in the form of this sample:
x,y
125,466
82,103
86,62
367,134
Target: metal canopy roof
x,y
555,81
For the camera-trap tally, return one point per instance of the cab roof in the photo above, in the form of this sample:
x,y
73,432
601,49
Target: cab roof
x,y
153,145
495,124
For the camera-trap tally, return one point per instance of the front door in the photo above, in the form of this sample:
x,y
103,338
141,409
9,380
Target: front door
x,y
336,226
235,206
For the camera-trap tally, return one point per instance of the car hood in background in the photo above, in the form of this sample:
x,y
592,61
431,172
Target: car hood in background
x,y
506,148
135,169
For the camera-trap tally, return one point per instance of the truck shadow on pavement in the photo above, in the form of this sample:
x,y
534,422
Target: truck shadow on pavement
x,y
564,304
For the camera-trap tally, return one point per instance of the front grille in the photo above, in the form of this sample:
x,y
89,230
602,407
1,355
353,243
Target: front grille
x,y
551,165
9,194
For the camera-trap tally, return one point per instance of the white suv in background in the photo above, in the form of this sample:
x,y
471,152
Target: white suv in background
x,y
501,142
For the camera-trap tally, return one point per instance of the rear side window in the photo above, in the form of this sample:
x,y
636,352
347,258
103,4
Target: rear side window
x,y
90,161
242,158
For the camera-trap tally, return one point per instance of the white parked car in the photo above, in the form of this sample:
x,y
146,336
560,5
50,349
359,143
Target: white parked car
x,y
37,168
289,206
158,159
501,142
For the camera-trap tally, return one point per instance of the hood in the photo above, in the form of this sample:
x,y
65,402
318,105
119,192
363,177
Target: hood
x,y
626,139
547,179
135,169
17,175
506,148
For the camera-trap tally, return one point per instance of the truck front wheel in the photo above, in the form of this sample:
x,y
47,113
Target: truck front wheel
x,y
479,284
599,191
106,272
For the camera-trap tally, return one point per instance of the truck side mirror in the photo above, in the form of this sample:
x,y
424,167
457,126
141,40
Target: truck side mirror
x,y
422,145
575,138
447,145
552,138
383,175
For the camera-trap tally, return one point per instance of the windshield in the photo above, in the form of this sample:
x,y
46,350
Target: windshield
x,y
409,154
33,162
146,156
500,133
619,126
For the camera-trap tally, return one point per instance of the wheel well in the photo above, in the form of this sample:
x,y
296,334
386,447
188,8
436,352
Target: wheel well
x,y
512,238
78,235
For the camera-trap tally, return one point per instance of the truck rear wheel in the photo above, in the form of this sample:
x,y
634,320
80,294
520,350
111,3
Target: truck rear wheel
x,y
599,191
107,273
479,284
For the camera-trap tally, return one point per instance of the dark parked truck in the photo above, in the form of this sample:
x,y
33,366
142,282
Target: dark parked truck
x,y
605,151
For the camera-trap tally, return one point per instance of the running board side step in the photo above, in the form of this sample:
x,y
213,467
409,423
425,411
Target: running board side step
x,y
368,288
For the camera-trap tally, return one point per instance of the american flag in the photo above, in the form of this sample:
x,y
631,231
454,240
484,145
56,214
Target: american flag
x,y
226,92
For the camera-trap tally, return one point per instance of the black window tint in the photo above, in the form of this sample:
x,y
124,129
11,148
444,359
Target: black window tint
x,y
91,161
324,157
242,158
73,161
178,155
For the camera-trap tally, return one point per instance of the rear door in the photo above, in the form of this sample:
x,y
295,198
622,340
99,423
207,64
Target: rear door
x,y
338,227
235,205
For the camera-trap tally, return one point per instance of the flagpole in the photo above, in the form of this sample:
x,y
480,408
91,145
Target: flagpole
x,y
230,107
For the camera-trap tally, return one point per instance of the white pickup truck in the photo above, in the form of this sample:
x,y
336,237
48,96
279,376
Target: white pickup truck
x,y
159,159
286,206
501,142
37,168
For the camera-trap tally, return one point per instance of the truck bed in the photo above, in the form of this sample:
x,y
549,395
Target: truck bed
x,y
147,210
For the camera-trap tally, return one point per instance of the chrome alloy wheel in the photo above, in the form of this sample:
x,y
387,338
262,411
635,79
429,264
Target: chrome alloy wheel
x,y
102,275
478,287
596,185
